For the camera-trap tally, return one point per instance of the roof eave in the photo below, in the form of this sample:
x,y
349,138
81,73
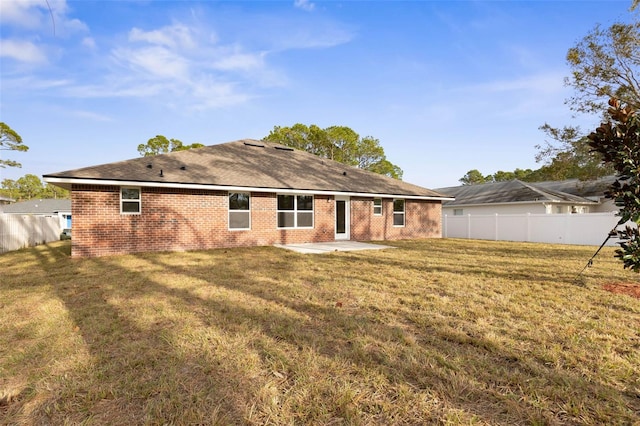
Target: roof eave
x,y
67,182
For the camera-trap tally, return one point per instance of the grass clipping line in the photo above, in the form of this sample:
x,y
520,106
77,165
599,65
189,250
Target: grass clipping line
x,y
435,331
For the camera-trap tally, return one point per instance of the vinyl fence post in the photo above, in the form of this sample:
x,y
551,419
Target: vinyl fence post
x,y
469,226
445,232
528,227
496,229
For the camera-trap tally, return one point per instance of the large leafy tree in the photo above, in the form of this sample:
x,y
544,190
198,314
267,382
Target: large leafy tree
x,y
605,63
161,145
10,140
339,143
8,189
29,187
618,141
570,158
474,177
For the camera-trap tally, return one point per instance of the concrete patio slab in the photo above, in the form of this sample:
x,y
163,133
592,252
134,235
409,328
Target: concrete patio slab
x,y
315,248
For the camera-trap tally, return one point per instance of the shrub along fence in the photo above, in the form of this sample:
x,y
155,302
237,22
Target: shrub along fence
x,y
579,229
19,231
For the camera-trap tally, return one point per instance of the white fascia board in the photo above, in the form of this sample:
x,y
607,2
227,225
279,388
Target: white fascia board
x,y
70,181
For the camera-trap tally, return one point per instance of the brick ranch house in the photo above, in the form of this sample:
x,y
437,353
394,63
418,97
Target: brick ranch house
x,y
242,193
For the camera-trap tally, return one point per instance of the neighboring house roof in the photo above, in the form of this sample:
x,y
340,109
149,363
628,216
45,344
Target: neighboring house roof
x,y
39,206
583,188
513,191
4,200
245,164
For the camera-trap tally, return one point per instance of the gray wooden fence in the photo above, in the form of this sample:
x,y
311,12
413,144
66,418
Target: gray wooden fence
x,y
18,231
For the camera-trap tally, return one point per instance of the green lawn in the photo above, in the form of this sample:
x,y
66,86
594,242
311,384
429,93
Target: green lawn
x,y
433,331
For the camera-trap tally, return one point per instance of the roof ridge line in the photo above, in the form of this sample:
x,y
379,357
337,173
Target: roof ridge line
x,y
552,193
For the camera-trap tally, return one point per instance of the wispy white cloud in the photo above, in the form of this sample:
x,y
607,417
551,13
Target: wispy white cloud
x,y
47,16
23,13
34,83
74,26
173,36
89,42
240,61
153,62
308,37
215,94
548,82
28,28
22,51
304,5
184,64
525,97
88,115
179,64
194,95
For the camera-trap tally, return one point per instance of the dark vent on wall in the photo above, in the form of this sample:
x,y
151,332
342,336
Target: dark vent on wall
x,y
283,148
258,145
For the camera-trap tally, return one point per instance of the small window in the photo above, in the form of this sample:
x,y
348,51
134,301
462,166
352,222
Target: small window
x,y
398,212
130,200
377,206
295,211
457,212
239,210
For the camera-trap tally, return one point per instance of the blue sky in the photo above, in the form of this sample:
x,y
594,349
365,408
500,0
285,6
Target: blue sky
x,y
446,86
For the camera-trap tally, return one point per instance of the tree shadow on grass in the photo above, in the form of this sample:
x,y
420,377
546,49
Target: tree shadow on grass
x,y
135,374
170,342
504,260
486,378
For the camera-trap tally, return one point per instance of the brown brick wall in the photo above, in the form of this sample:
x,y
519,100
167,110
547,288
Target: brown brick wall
x,y
423,219
178,219
182,219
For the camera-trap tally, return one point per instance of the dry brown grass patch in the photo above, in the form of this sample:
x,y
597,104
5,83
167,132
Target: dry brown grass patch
x,y
434,331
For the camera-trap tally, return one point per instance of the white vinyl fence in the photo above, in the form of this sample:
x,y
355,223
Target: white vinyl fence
x,y
580,229
18,231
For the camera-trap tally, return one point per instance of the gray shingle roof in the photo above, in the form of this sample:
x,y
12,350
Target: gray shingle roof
x,y
244,163
582,188
513,191
39,206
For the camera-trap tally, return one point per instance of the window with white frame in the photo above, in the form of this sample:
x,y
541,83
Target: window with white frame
x,y
295,211
377,206
239,210
398,212
130,200
457,212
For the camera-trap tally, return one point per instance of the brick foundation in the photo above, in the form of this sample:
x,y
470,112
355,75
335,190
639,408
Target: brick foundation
x,y
184,219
